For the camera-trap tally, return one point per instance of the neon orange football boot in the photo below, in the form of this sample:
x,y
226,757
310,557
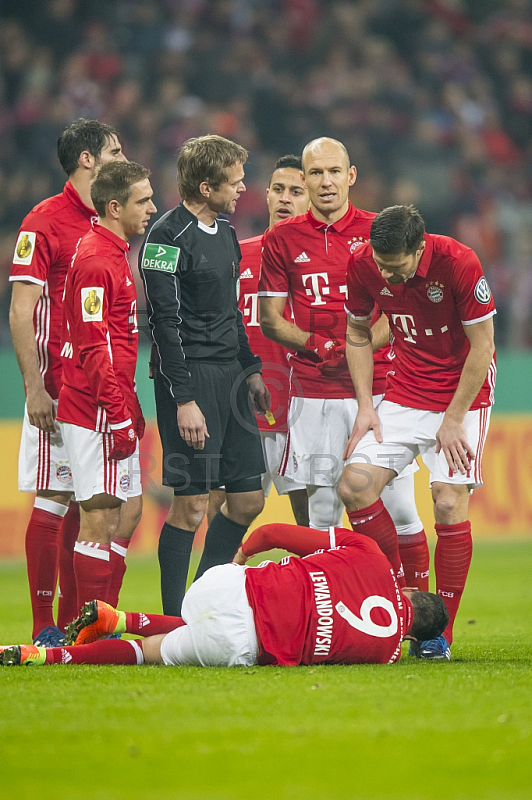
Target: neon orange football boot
x,y
17,655
96,620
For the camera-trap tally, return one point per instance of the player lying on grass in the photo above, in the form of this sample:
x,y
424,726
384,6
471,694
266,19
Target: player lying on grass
x,y
338,604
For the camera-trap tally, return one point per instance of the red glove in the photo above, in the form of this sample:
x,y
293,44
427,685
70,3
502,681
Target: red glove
x,y
322,346
335,364
139,423
124,443
330,351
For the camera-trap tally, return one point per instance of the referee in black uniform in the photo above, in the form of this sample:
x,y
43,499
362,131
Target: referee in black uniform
x,y
205,371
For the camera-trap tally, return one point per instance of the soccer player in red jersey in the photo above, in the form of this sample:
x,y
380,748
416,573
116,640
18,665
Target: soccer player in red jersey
x,y
305,259
339,603
99,412
45,245
439,393
286,197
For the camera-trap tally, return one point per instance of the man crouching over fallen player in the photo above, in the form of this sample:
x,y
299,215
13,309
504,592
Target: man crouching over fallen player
x,y
338,604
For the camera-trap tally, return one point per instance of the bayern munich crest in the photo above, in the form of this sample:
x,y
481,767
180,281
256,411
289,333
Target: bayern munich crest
x,y
482,291
124,483
356,242
435,292
63,473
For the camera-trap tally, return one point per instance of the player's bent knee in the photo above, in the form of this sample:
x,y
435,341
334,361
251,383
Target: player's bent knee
x,y
352,485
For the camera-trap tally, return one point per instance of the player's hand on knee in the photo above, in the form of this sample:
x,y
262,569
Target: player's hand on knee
x,y
124,443
192,425
451,439
365,421
40,408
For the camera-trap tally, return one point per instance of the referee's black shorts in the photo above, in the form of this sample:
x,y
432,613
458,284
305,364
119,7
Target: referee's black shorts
x,y
233,452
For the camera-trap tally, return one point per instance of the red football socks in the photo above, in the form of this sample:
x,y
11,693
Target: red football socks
x,y
118,568
105,651
42,544
92,567
452,558
374,521
151,624
68,601
414,552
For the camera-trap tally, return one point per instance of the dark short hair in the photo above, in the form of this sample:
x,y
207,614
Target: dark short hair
x,y
113,181
83,134
288,162
397,229
430,616
206,158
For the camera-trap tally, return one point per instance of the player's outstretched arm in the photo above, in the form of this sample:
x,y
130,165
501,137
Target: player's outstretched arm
x,y
279,535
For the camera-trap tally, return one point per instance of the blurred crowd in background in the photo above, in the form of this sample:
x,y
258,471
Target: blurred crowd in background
x,y
433,99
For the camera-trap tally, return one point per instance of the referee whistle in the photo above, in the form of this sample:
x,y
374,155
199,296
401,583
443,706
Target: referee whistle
x,y
269,416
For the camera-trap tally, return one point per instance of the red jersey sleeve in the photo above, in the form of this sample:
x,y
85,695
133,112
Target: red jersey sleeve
x,y
471,290
359,302
273,281
92,299
298,539
34,250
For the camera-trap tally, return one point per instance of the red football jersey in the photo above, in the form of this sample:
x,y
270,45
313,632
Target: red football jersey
x,y
275,369
427,314
339,605
46,242
306,260
100,335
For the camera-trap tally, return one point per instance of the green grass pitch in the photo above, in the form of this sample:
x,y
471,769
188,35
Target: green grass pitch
x,y
412,730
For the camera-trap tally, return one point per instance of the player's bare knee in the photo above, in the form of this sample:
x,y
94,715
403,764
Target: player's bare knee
x,y
450,503
187,511
243,507
353,486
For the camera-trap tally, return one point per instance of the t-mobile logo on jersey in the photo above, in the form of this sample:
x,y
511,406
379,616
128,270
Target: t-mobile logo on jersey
x,y
406,323
251,310
319,289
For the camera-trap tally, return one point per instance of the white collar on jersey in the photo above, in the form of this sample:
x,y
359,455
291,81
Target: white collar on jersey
x,y
212,229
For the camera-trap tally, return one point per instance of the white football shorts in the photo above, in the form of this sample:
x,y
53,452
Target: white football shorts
x,y
317,436
409,432
220,629
43,462
273,444
92,472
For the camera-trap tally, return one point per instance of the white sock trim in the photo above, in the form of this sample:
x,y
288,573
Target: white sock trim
x,y
45,504
117,548
138,651
92,549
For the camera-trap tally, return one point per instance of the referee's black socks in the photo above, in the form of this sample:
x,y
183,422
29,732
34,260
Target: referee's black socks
x,y
175,546
222,540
